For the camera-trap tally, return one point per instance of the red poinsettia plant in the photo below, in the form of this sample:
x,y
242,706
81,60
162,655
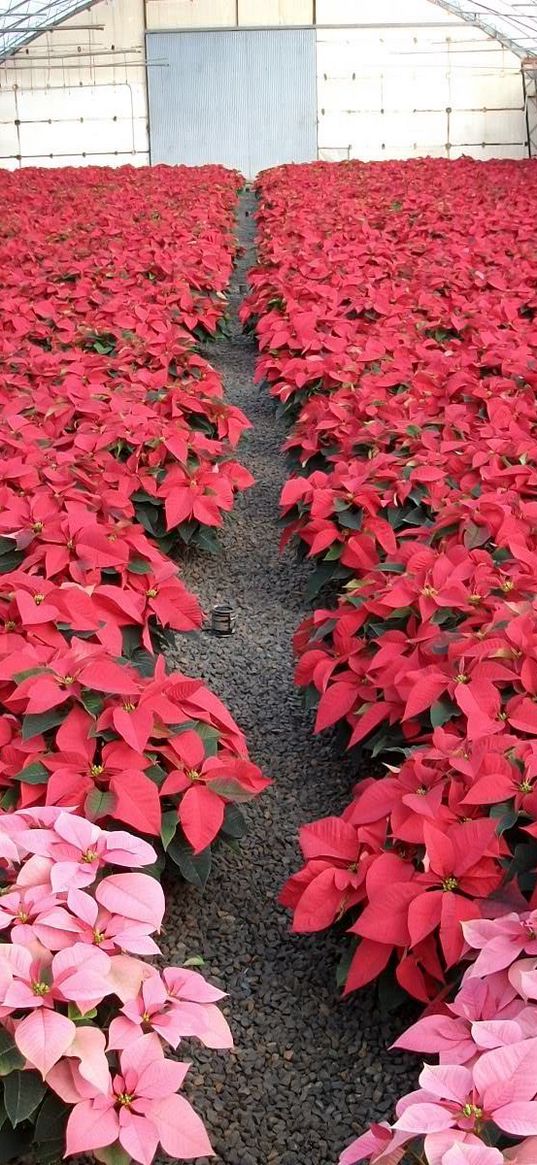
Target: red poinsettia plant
x,y
394,308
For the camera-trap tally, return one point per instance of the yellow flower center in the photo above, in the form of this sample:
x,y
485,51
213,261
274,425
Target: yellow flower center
x,y
40,989
193,775
10,625
37,527
128,706
89,856
429,591
38,599
98,937
461,678
474,1110
67,681
96,770
525,786
125,1099
507,585
422,791
152,593
450,883
474,599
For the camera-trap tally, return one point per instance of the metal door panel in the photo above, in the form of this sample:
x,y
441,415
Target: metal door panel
x,y
244,98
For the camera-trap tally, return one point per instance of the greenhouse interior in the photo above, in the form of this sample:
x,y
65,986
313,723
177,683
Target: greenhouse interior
x,y
268,651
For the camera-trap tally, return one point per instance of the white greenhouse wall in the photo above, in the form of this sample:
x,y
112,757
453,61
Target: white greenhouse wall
x,y
429,84
395,78
167,14
57,110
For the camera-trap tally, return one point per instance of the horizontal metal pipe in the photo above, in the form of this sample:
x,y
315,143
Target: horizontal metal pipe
x,y
65,68
53,28
95,52
296,27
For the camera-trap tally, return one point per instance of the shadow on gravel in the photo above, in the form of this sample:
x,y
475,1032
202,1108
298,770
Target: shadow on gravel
x,y
308,1071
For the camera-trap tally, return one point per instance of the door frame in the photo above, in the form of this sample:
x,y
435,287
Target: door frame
x,y
236,28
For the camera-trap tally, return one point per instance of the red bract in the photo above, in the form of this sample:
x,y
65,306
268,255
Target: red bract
x,y
398,337
115,434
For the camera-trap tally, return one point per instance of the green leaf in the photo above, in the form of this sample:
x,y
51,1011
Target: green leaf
x,y
49,1133
9,562
195,961
139,566
7,545
209,736
31,671
227,787
144,662
93,702
334,553
233,825
23,1091
99,803
14,1145
505,815
390,994
345,961
78,1016
318,579
156,774
34,774
475,536
9,799
351,519
168,827
441,712
112,1155
195,868
35,724
207,540
10,1057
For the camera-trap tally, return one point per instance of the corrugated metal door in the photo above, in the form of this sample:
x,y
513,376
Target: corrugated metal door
x,y
244,98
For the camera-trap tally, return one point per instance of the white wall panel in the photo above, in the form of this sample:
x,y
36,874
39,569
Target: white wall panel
x,y
388,88
275,11
90,160
190,14
413,81
378,12
483,126
78,95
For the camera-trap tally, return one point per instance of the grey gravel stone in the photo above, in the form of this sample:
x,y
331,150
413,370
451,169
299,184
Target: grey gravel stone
x,y
309,1072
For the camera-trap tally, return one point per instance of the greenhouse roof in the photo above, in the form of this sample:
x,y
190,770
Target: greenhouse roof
x,y
22,20
513,24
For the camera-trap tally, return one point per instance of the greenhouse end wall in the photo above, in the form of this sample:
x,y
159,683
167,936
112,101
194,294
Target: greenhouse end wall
x,y
395,78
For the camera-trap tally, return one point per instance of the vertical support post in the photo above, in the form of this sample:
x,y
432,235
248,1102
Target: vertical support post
x,y
529,84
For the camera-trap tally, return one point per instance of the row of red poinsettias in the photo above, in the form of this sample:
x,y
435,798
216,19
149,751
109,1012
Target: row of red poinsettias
x,y
117,446
394,307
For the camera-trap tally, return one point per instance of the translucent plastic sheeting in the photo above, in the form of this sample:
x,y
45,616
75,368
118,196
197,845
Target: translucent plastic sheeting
x,y
22,20
512,22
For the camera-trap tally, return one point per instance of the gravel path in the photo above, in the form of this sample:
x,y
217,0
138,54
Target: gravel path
x,y
308,1072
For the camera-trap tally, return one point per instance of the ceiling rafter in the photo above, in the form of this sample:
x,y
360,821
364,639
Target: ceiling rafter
x,y
513,25
21,21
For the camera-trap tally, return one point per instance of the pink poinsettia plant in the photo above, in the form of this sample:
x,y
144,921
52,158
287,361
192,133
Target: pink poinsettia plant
x,y
84,1017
